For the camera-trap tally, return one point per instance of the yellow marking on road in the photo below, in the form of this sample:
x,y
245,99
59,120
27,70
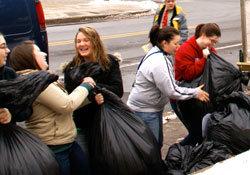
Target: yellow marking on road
x,y
58,43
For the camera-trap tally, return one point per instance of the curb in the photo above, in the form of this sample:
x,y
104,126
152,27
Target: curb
x,y
91,18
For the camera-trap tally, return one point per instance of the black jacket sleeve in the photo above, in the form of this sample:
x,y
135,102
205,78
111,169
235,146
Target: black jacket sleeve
x,y
68,82
22,116
112,79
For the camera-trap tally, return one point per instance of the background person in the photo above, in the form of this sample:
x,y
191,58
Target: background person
x,y
155,82
51,120
169,14
190,60
90,48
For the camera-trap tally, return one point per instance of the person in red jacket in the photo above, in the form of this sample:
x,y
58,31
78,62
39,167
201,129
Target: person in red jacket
x,y
191,57
190,60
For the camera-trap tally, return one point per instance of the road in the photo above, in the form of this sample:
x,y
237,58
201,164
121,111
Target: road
x,y
126,36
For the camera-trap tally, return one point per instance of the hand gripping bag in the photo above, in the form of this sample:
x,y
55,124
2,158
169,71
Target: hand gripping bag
x,y
219,77
120,143
75,75
19,93
20,151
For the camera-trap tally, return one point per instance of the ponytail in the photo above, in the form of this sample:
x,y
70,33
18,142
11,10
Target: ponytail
x,y
158,35
153,34
209,30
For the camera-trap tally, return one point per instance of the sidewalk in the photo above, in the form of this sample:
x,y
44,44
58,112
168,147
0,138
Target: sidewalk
x,y
65,11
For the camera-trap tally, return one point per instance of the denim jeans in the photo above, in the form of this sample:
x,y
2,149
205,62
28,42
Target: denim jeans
x,y
153,120
174,107
73,161
204,124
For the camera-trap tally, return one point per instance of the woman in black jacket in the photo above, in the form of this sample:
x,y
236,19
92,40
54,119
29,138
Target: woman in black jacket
x,y
7,73
90,48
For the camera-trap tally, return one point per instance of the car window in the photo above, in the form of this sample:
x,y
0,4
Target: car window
x,y
15,17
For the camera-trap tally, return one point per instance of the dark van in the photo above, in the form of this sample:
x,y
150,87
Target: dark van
x,y
23,20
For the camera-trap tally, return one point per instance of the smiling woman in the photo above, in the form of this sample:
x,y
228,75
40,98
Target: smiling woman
x,y
3,51
90,48
5,116
7,73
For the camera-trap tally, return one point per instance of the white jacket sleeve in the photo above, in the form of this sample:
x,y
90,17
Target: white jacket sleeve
x,y
163,75
59,101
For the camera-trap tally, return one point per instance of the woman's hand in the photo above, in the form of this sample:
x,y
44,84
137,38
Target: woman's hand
x,y
99,99
89,80
5,116
206,52
202,95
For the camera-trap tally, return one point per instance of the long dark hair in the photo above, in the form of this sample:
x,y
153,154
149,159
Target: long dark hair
x,y
21,57
209,30
158,35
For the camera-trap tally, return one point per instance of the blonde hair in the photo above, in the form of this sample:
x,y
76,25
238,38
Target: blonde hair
x,y
99,54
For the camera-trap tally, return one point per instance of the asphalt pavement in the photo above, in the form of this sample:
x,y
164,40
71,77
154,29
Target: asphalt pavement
x,y
61,12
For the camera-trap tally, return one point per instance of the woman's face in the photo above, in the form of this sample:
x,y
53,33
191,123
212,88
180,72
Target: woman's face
x,y
3,51
40,57
208,42
172,46
83,45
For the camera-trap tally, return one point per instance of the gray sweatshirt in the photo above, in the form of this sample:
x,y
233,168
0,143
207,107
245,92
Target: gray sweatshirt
x,y
155,84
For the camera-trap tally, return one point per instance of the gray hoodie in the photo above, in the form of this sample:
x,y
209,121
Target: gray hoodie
x,y
155,84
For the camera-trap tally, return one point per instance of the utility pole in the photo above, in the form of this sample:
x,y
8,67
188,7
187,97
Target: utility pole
x,y
245,26
244,61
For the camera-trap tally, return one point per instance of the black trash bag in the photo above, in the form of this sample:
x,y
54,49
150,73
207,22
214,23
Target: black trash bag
x,y
231,126
21,153
120,143
86,69
219,77
19,93
188,159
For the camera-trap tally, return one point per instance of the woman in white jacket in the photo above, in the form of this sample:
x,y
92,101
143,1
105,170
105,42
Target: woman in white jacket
x,y
51,120
155,81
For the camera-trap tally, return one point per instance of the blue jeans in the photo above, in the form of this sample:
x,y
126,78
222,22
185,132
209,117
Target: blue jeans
x,y
73,161
174,107
204,124
153,120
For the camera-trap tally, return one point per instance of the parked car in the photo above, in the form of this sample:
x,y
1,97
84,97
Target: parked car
x,y
23,20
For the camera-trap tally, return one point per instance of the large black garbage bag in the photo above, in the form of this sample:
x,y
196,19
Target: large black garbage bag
x,y
219,77
19,93
120,143
231,126
21,153
86,69
188,159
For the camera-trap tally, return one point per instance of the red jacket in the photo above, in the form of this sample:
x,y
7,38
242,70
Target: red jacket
x,y
189,60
